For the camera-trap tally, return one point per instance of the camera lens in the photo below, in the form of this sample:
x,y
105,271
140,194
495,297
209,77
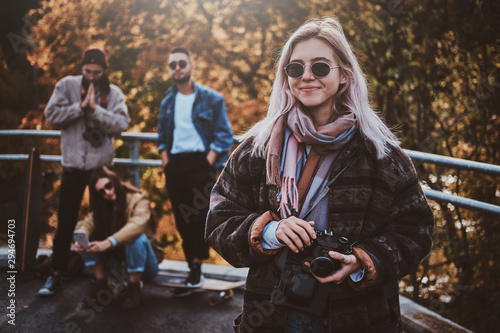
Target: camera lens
x,y
323,266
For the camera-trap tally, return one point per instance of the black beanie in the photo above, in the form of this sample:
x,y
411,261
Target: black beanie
x,y
95,56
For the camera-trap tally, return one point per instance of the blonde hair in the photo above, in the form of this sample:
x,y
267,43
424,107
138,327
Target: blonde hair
x,y
353,95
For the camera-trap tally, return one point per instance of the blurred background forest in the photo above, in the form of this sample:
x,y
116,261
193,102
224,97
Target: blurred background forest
x,y
434,74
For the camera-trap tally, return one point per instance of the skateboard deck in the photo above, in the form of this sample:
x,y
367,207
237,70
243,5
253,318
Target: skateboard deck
x,y
221,290
27,232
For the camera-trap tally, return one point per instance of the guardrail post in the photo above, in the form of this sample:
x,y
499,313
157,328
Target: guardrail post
x,y
134,171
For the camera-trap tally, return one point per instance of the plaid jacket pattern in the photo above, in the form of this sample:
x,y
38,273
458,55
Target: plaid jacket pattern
x,y
377,202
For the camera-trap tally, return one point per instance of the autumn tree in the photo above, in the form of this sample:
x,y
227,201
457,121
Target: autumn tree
x,y
433,69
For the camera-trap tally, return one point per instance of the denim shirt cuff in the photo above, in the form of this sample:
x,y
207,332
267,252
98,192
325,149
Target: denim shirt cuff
x,y
216,148
269,240
113,241
358,275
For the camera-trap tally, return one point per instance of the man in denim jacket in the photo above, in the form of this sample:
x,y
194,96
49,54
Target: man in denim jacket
x,y
194,137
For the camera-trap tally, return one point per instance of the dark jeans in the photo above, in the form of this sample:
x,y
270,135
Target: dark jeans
x,y
139,257
73,185
189,180
297,322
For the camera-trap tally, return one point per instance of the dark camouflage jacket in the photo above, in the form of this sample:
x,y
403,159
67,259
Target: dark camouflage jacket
x,y
379,203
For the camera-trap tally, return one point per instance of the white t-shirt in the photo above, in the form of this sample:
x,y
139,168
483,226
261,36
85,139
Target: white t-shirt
x,y
186,137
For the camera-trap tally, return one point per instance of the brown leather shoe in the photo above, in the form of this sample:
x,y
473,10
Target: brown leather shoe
x,y
99,285
131,296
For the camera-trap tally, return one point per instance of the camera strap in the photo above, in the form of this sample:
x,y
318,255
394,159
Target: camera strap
x,y
330,183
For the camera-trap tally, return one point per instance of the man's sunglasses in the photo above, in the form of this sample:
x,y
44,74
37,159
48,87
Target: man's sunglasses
x,y
102,191
173,64
319,69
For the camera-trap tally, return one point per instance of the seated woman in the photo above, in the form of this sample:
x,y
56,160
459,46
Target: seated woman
x,y
120,227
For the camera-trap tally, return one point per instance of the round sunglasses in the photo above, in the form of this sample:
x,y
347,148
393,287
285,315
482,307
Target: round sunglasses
x,y
319,69
173,64
108,186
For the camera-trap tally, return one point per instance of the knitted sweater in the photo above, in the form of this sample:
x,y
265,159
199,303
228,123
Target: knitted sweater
x,y
63,112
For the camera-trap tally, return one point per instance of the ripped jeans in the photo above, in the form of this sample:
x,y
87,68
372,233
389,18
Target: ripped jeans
x,y
139,257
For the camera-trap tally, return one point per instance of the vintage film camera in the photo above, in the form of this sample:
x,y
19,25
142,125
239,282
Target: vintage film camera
x,y
94,135
300,289
322,264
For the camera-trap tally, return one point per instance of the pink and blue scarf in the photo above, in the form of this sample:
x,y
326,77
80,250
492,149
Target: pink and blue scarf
x,y
292,143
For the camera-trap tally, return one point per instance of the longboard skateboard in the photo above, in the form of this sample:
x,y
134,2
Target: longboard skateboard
x,y
222,290
27,233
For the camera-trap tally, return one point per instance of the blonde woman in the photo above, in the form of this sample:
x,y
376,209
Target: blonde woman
x,y
319,200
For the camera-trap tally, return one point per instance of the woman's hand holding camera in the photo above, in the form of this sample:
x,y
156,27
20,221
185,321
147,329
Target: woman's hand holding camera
x,y
295,233
349,265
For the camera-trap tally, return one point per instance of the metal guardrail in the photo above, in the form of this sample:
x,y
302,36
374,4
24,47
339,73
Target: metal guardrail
x,y
134,163
452,162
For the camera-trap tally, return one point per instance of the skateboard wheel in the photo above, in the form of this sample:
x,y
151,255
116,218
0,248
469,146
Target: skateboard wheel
x,y
214,300
228,294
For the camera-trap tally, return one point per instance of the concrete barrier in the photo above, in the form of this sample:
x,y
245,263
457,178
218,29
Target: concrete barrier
x,y
418,319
